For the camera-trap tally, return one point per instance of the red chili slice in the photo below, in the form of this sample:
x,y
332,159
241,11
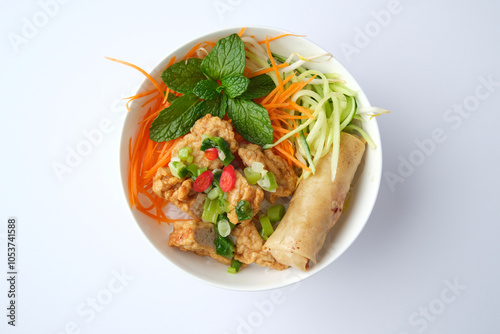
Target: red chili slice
x,y
203,181
211,153
228,178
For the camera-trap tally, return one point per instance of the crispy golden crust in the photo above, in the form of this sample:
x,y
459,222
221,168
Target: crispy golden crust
x,y
197,237
243,191
213,127
284,174
249,247
179,192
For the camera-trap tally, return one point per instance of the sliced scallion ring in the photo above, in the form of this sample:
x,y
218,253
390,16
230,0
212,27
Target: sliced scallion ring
x,y
223,227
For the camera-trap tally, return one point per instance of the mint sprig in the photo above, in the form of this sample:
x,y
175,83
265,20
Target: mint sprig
x,y
206,89
198,80
176,120
183,76
234,85
225,59
250,120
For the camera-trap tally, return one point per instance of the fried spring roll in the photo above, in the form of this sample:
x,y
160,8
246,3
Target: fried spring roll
x,y
315,207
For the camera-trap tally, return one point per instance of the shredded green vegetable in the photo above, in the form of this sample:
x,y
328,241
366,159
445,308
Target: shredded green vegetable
x,y
332,102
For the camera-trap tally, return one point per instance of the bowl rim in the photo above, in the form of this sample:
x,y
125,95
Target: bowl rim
x,y
299,276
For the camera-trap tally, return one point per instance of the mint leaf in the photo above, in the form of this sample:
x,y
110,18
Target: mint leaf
x,y
259,86
183,76
206,89
215,107
234,85
171,97
225,59
221,110
175,120
251,120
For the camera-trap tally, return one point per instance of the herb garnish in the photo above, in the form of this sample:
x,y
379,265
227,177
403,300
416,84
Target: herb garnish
x,y
199,81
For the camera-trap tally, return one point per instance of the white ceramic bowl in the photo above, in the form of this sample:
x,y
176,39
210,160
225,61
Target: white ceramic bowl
x,y
345,231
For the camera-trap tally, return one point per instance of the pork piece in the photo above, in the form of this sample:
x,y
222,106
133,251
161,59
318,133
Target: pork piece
x,y
249,247
284,174
243,191
179,191
211,126
197,237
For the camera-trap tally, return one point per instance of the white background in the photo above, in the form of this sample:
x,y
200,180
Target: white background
x,y
435,225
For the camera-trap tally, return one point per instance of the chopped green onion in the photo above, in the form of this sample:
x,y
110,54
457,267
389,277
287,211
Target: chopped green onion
x,y
259,168
223,226
212,208
225,154
251,175
223,204
186,154
235,267
193,170
178,169
268,182
244,210
201,170
267,228
222,155
224,246
211,211
276,212
214,193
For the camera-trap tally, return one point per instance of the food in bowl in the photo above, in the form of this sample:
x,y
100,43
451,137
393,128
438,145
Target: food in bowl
x,y
233,125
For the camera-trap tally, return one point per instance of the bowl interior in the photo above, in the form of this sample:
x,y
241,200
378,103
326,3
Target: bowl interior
x,y
345,231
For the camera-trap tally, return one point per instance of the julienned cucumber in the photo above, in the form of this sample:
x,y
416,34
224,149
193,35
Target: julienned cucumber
x,y
334,107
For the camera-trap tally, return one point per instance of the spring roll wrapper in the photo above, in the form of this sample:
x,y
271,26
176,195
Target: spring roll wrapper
x,y
315,207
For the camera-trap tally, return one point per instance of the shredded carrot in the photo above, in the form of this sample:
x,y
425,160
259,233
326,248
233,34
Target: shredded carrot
x,y
149,100
153,81
273,64
303,110
171,62
276,90
248,72
277,105
147,156
281,36
167,91
140,95
278,120
192,51
267,70
280,129
281,114
292,158
150,117
161,160
132,98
